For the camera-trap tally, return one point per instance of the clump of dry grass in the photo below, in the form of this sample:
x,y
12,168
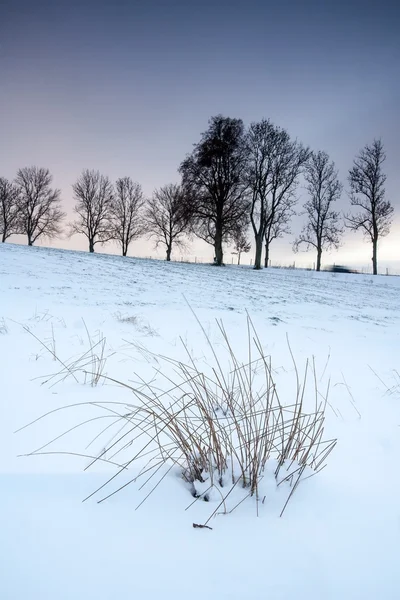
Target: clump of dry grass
x,y
220,428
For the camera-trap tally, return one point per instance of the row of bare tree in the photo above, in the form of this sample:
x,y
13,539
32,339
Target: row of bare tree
x,y
104,212
233,179
121,213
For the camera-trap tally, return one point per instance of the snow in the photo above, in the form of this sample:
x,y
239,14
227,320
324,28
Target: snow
x,y
339,536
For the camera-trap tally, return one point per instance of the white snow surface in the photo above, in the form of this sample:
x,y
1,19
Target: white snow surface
x,y
339,537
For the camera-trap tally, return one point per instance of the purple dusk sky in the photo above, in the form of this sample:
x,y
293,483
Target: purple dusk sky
x,y
127,87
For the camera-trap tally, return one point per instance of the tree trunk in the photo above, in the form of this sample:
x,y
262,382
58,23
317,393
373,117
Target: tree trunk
x,y
266,260
91,246
219,255
3,237
169,250
239,258
319,254
258,255
124,250
30,241
375,257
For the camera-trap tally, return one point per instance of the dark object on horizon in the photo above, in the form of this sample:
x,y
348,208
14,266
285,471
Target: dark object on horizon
x,y
340,269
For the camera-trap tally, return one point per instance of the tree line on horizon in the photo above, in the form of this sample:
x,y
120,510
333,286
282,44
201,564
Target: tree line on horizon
x,y
235,181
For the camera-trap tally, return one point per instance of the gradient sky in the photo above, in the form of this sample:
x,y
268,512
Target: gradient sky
x,y
127,87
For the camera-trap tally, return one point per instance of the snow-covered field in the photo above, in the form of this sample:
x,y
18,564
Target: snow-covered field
x,y
339,537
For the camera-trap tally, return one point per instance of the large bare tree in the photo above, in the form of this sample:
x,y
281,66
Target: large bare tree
x,y
213,174
167,217
39,206
273,165
93,193
323,228
367,193
9,197
126,212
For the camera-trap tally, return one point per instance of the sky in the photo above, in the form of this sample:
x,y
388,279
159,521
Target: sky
x,y
127,87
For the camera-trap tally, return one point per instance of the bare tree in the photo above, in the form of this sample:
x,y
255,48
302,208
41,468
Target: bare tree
x,y
125,212
214,175
93,193
273,165
39,208
9,201
323,228
367,192
241,244
167,217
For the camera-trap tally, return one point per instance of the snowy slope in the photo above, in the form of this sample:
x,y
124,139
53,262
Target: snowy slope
x,y
340,535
